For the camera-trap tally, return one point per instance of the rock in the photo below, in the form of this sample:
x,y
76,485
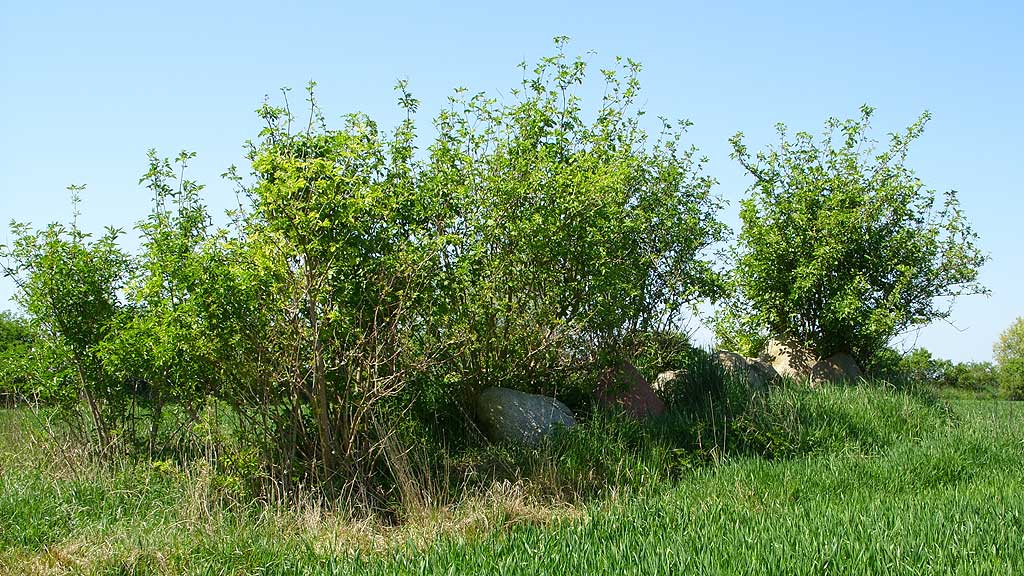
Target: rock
x,y
759,374
512,416
625,388
731,361
666,379
838,367
764,370
789,360
848,365
823,372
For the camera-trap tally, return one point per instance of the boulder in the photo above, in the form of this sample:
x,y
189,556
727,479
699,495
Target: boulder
x,y
623,387
508,415
823,372
731,361
758,374
665,379
764,370
790,360
848,365
836,368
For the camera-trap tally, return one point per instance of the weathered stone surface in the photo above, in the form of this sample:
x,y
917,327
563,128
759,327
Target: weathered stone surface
x,y
625,388
666,379
758,374
847,364
731,361
789,360
825,371
764,370
836,368
508,415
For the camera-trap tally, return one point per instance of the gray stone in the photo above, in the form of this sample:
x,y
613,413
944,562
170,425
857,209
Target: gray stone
x,y
847,364
764,371
838,367
622,387
508,415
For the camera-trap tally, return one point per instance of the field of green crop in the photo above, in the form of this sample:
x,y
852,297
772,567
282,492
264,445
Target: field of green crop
x,y
941,493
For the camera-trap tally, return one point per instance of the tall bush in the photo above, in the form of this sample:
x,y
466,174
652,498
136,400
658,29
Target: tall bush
x,y
69,283
572,237
842,247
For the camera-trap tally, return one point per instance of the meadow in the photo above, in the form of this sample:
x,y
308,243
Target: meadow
x,y
850,480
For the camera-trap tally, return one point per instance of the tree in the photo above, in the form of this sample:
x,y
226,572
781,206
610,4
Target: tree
x,y
842,247
69,285
1008,352
1010,344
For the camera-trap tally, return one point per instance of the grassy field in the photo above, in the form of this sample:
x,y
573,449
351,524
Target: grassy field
x,y
877,482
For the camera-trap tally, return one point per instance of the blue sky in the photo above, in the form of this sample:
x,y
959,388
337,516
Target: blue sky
x,y
87,88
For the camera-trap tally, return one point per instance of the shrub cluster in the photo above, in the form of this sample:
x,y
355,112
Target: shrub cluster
x,y
365,293
16,345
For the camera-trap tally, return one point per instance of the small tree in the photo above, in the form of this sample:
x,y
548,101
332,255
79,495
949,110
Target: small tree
x,y
69,285
1008,352
842,247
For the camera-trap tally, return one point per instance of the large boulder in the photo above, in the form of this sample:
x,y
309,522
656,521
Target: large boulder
x,y
508,415
836,368
790,360
623,387
758,374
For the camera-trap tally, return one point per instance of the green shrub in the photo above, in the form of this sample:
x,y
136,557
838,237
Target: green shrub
x,y
1011,378
17,340
841,246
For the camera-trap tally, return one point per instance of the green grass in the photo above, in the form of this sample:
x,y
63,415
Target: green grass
x,y
839,481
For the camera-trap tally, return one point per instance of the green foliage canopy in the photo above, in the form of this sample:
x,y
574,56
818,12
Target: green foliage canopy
x,y
1008,352
842,247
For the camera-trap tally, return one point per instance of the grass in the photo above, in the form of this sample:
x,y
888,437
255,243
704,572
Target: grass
x,y
861,480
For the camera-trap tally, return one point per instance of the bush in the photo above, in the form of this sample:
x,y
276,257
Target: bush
x,y
17,339
841,246
1011,378
977,376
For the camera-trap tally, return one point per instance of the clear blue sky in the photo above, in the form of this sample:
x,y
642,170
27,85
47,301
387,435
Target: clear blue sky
x,y
88,87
